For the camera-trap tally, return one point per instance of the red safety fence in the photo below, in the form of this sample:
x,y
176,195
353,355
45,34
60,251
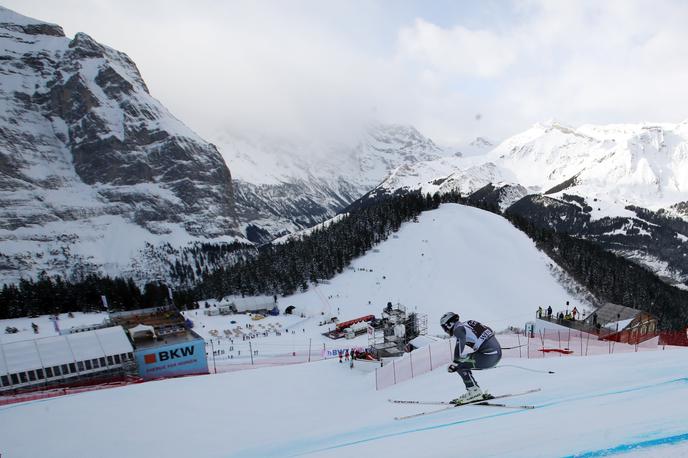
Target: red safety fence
x,y
542,344
63,391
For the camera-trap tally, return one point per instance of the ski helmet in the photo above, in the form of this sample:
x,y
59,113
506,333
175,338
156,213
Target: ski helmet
x,y
448,320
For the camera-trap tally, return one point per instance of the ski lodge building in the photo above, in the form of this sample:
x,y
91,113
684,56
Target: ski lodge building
x,y
82,358
624,324
612,322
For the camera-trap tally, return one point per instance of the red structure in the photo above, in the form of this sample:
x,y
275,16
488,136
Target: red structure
x,y
345,324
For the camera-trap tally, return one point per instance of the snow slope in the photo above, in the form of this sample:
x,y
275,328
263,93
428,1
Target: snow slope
x,y
591,405
455,258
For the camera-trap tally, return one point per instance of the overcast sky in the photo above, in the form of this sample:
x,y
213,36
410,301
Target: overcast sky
x,y
453,69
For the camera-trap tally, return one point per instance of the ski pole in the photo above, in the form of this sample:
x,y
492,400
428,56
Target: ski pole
x,y
514,347
525,368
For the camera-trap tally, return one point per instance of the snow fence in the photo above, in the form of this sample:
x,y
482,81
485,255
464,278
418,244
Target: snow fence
x,y
563,343
412,364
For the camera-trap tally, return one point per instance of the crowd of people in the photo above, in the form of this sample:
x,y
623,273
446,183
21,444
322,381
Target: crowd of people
x,y
568,314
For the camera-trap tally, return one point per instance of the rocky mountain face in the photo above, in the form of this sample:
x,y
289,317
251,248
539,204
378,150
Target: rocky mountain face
x,y
285,186
93,169
622,186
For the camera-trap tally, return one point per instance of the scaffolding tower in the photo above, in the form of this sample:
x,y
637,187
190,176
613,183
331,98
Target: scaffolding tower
x,y
388,336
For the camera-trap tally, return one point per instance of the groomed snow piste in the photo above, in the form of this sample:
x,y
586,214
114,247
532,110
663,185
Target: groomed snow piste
x,y
630,404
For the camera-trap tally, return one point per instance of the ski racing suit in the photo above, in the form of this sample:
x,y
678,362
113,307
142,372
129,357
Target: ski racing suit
x,y
486,349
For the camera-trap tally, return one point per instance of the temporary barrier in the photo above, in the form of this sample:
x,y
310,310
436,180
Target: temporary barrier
x,y
419,361
228,355
565,343
55,392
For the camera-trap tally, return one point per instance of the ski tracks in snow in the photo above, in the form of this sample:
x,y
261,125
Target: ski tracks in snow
x,y
371,433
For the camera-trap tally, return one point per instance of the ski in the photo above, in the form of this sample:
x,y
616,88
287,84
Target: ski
x,y
449,403
492,404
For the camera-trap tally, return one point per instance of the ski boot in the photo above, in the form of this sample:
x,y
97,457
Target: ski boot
x,y
472,394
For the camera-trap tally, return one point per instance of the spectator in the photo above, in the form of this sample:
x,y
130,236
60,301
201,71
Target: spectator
x,y
549,312
574,313
539,312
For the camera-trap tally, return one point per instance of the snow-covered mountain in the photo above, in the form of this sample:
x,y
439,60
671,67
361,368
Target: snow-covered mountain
x,y
283,186
625,186
645,164
92,167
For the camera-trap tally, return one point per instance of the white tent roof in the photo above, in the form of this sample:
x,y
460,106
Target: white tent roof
x,y
50,351
249,302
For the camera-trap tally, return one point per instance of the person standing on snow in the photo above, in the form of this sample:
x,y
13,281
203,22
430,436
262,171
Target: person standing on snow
x,y
486,353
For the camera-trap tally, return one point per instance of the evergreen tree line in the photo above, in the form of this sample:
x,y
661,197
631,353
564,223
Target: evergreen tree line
x,y
609,277
53,295
204,258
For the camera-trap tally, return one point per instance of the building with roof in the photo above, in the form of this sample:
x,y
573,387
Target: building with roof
x,y
79,358
623,324
164,343
252,304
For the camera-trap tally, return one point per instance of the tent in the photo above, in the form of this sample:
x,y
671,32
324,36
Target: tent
x,y
140,330
289,310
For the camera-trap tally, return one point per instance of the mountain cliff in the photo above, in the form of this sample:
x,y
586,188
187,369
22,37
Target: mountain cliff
x,y
283,186
93,169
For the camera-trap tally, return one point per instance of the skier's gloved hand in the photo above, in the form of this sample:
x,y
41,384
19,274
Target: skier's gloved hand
x,y
452,367
465,362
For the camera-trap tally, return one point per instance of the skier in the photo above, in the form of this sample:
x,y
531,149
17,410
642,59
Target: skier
x,y
486,353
